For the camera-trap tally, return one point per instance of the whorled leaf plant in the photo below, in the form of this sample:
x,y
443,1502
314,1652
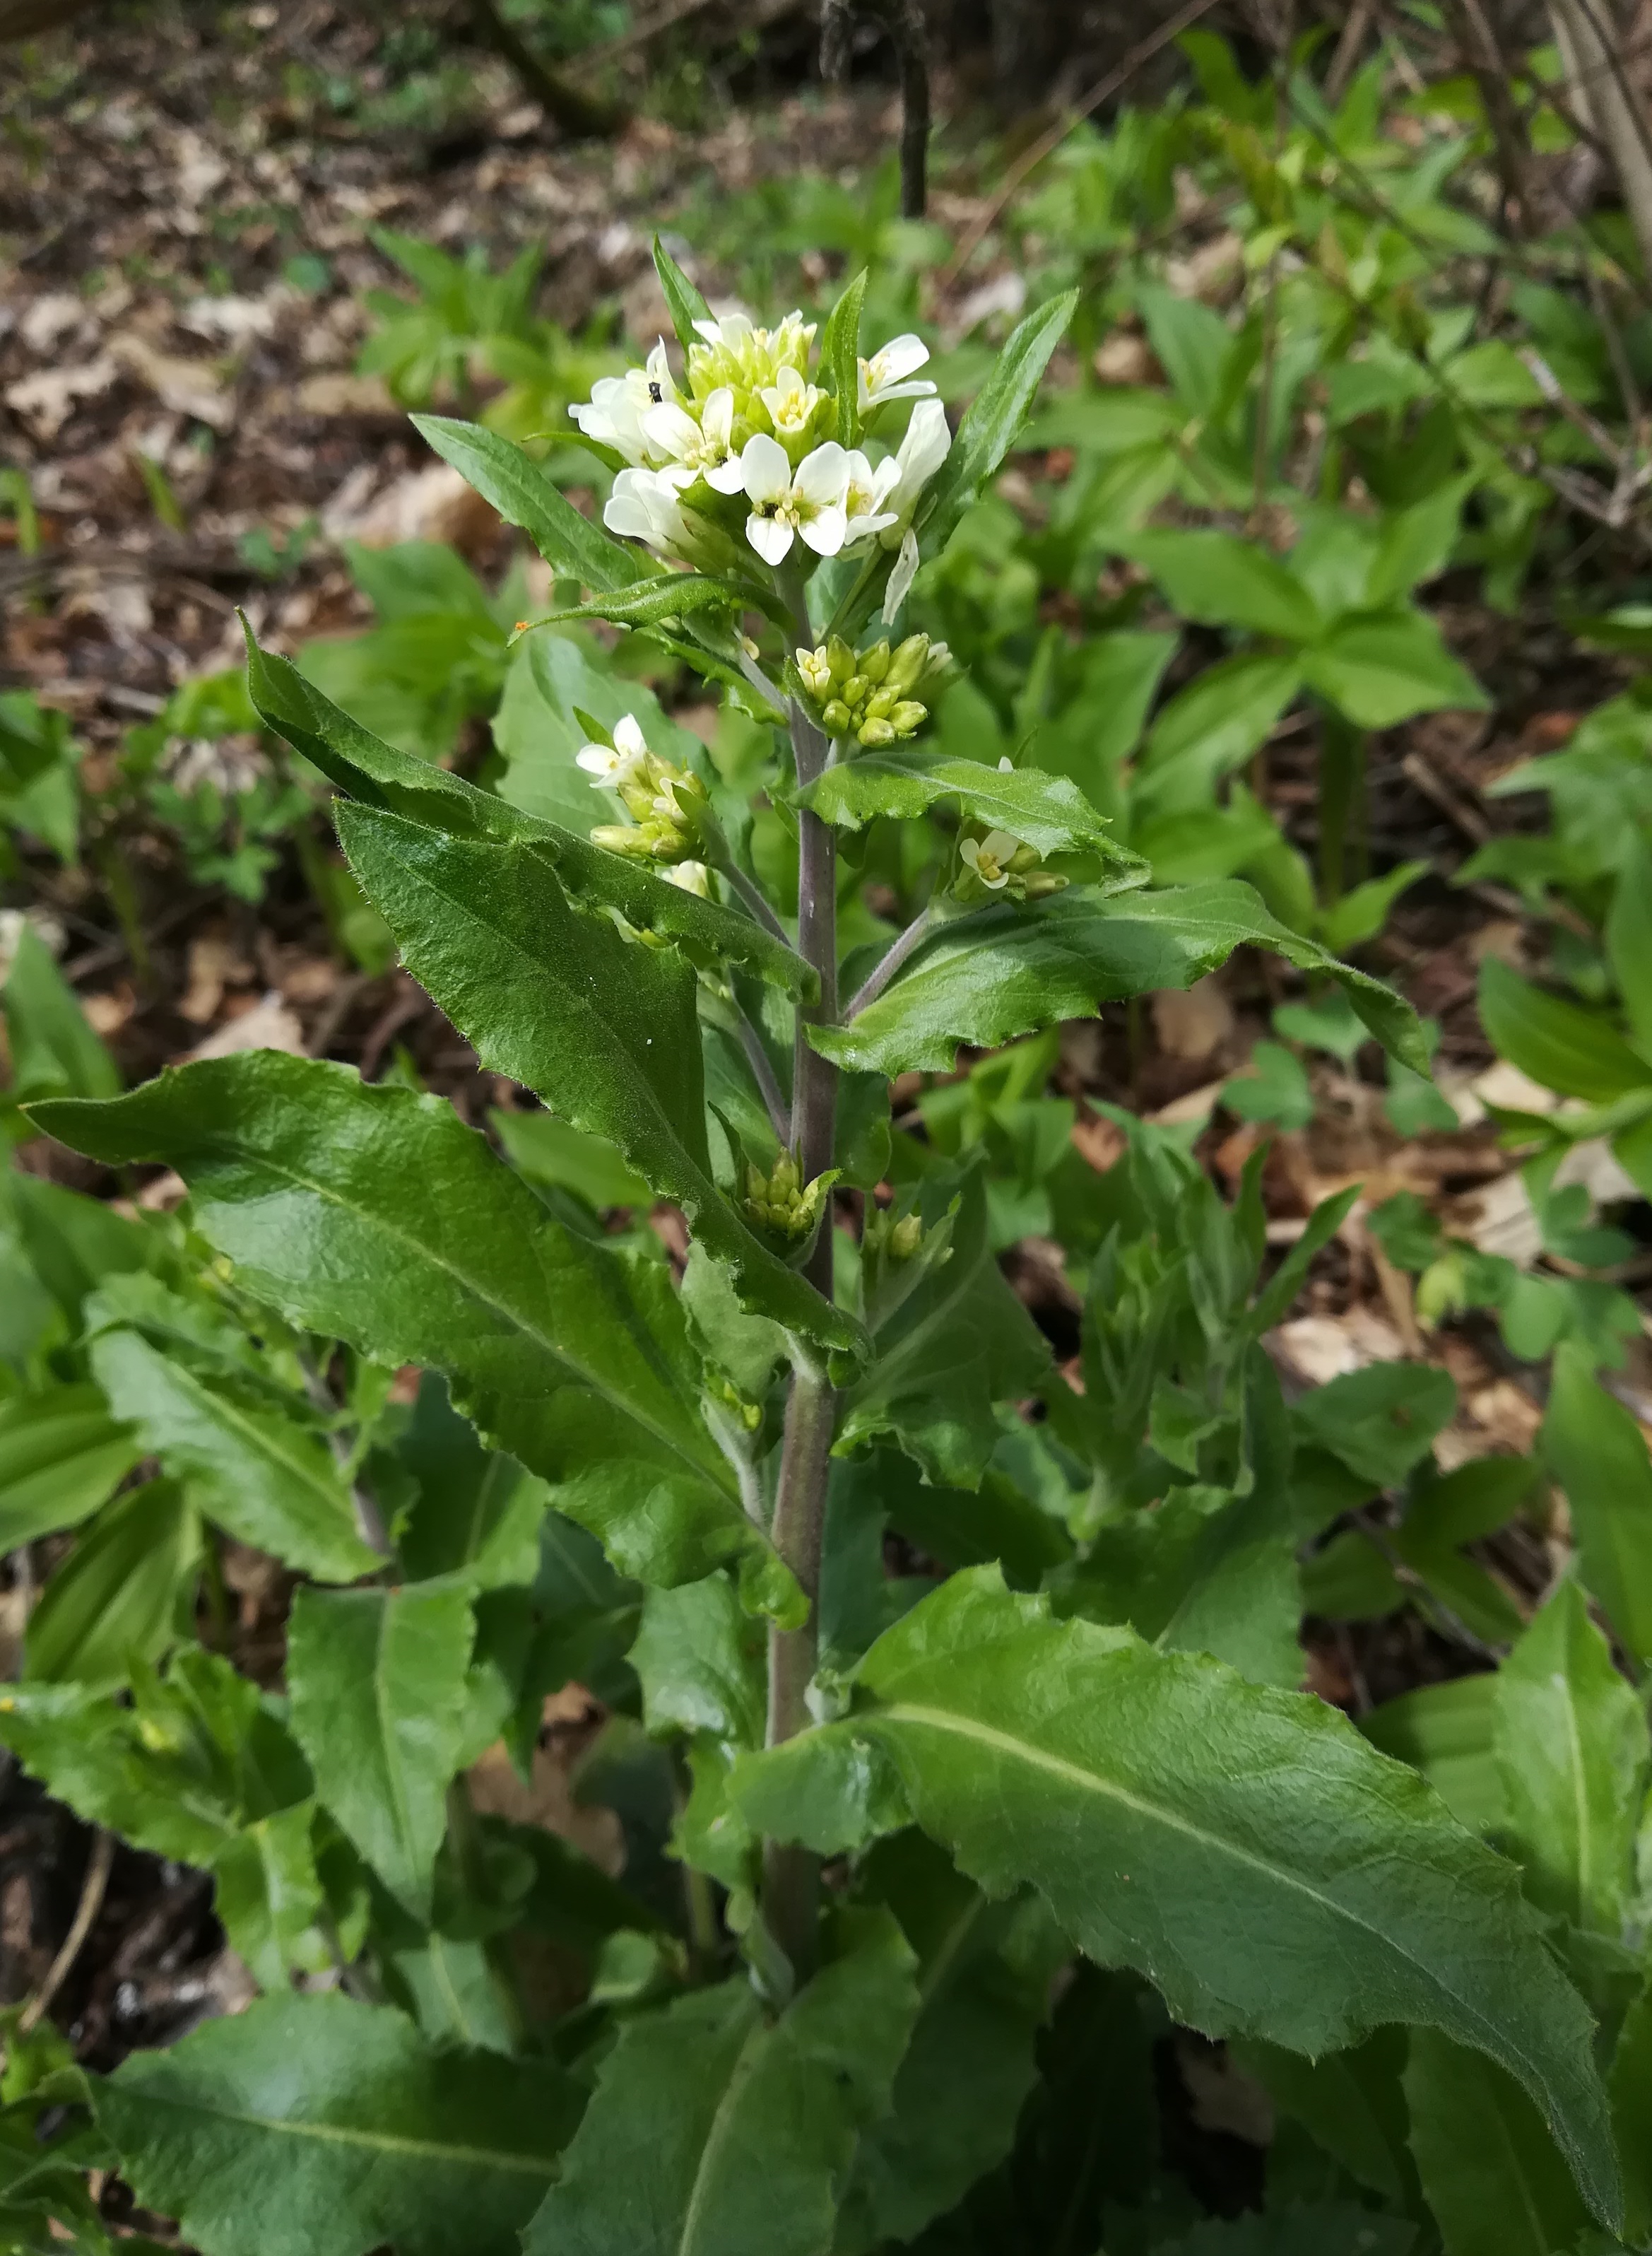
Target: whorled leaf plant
x,y
838,2079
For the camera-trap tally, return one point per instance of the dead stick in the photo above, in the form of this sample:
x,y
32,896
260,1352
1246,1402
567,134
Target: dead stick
x,y
97,1873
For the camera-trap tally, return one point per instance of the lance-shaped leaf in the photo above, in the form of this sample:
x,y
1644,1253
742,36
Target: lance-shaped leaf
x,y
840,359
502,474
960,1343
604,1031
993,417
1571,1742
1491,2172
716,2131
62,1455
687,305
1009,971
666,596
316,2126
1242,1847
264,1473
365,768
377,1679
1049,811
375,1215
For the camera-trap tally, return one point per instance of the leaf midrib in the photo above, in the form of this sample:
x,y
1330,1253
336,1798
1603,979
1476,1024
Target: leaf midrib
x,y
338,2134
721,2124
967,1727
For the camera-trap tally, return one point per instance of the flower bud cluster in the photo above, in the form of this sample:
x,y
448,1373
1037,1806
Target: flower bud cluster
x,y
994,863
781,1204
889,1238
668,805
872,695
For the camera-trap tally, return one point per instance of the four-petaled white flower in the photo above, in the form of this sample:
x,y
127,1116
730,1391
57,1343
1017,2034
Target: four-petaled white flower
x,y
614,413
610,765
790,403
888,375
642,507
865,497
696,450
806,502
986,857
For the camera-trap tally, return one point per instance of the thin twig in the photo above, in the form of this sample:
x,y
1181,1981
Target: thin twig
x,y
765,1077
903,20
753,897
97,1871
1032,157
1346,59
888,964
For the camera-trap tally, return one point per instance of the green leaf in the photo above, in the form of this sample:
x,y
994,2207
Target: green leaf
x,y
1631,2089
477,1516
1416,543
699,1656
1629,941
53,1050
316,2126
993,417
1005,970
1490,2171
959,1343
1241,1846
649,603
1380,667
1225,582
375,1215
1566,1049
1049,811
1380,1421
1445,1731
266,1475
1306,2229
379,775
1351,2103
377,1679
523,496
199,1770
61,1455
604,1031
1360,915
714,2132
686,304
1212,727
110,1604
548,1151
840,358
1273,1087
1572,1743
1596,1451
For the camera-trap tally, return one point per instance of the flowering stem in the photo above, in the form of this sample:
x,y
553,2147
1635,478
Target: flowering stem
x,y
751,895
885,970
790,1876
763,1074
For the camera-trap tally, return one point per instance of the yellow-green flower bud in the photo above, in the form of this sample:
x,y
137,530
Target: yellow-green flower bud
x,y
880,705
906,667
836,718
855,689
777,1202
908,716
874,663
905,1239
839,657
1041,883
873,733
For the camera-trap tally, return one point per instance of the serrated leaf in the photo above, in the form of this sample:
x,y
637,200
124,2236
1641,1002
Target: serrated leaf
x,y
714,2132
958,1343
376,1681
266,1476
687,305
1007,970
604,1031
373,1215
1571,1741
647,603
523,496
1596,1450
61,1455
376,773
1049,811
993,417
1490,2171
316,2126
1240,1846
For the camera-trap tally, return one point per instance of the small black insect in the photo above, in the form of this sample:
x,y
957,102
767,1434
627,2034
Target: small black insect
x,y
655,395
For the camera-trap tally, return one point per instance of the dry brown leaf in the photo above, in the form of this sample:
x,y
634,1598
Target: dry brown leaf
x,y
1193,1023
268,1025
547,1799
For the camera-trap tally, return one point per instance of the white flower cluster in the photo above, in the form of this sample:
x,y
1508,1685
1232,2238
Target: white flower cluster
x,y
748,432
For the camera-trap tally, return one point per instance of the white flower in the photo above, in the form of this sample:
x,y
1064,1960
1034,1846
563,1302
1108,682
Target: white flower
x,y
610,765
808,501
643,507
988,855
614,413
887,375
790,403
865,495
692,876
731,332
696,450
901,578
921,453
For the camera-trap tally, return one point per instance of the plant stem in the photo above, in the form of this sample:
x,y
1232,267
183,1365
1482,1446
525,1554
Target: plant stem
x,y
1341,800
752,895
888,964
763,1074
790,1881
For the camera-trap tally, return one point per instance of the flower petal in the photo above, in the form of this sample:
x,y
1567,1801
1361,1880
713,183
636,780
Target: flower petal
x,y
727,478
772,539
764,469
825,531
628,736
901,578
822,475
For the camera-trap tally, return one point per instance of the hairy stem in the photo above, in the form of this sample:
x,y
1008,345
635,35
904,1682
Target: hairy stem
x,y
888,964
790,1883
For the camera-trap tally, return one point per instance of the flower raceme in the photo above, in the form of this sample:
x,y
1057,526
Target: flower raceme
x,y
750,435
670,814
872,696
